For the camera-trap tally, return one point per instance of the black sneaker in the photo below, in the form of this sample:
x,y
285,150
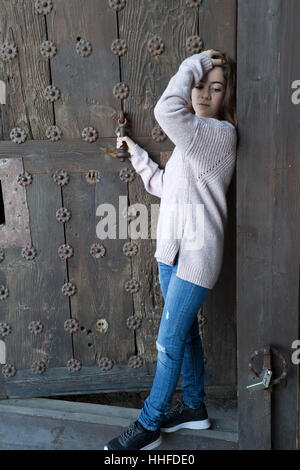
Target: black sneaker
x,y
135,438
182,416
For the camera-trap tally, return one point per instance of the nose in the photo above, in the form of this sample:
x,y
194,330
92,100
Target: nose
x,y
205,93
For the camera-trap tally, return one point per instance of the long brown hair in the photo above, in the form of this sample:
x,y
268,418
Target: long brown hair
x,y
228,109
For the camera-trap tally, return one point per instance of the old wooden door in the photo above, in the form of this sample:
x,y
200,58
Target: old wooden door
x,y
69,321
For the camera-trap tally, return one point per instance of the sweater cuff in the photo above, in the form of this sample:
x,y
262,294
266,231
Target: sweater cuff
x,y
134,149
194,61
138,157
206,62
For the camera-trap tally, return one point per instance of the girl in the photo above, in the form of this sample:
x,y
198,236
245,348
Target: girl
x,y
197,112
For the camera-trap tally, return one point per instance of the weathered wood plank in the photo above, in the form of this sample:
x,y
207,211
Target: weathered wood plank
x,y
268,212
73,154
100,282
89,379
35,285
86,83
173,22
15,230
217,25
27,75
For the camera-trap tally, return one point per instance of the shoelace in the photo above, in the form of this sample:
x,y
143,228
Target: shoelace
x,y
130,432
178,408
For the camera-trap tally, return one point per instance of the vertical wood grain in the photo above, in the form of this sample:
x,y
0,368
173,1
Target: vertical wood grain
x,y
27,75
267,212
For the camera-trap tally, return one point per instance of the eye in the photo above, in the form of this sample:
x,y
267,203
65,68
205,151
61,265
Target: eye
x,y
215,89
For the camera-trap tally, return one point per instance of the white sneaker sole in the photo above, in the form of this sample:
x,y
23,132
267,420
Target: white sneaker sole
x,y
151,446
203,424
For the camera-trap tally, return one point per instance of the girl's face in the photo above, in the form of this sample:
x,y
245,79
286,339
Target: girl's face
x,y
211,91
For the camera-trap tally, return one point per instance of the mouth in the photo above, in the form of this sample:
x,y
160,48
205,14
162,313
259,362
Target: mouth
x,y
203,104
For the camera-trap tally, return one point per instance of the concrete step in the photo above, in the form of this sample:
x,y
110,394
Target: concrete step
x,y
50,424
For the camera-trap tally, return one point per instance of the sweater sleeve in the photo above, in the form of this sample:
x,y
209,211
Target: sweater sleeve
x,y
171,110
149,170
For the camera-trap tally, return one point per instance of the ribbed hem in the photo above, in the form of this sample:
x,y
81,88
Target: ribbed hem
x,y
197,276
166,251
134,148
164,261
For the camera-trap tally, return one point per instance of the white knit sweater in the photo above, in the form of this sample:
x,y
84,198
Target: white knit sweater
x,y
194,182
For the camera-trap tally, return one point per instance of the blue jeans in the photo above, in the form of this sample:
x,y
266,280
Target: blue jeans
x,y
179,347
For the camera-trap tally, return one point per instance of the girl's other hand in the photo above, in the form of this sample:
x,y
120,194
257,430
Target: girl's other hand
x,y
130,143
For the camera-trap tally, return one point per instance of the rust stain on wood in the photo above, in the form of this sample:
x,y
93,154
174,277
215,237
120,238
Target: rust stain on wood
x,y
111,153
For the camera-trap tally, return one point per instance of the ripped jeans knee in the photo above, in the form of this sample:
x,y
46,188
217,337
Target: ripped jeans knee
x,y
160,348
169,354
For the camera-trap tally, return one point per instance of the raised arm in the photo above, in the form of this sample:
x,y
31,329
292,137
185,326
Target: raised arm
x,y
171,110
149,171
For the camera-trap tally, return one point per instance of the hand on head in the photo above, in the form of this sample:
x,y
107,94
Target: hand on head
x,y
216,56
